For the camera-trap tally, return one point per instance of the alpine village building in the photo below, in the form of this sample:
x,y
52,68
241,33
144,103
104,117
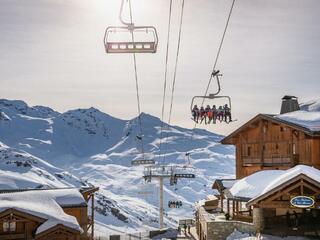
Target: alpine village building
x,y
277,185
47,214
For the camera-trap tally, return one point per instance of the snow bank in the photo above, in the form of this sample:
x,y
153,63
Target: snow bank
x,y
45,204
236,235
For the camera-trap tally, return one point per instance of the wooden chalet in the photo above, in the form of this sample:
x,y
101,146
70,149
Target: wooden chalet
x,y
270,142
55,214
277,185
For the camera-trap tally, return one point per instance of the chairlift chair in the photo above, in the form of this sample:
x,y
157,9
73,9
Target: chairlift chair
x,y
212,96
130,44
143,162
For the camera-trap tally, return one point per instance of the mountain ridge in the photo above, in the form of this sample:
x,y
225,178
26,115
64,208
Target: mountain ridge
x,y
97,148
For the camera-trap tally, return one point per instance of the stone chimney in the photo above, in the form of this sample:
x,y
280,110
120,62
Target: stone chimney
x,y
289,104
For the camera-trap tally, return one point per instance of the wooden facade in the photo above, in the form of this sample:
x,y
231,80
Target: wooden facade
x,y
267,142
277,215
19,225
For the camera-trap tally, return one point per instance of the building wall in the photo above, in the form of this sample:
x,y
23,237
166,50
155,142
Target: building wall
x,y
81,213
221,230
24,230
267,145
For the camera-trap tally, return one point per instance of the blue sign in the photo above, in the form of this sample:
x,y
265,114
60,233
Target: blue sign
x,y
302,202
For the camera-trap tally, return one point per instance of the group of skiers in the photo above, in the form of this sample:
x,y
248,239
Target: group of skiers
x,y
211,114
175,204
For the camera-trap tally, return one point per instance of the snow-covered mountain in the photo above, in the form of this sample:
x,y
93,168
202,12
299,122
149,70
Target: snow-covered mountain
x,y
44,148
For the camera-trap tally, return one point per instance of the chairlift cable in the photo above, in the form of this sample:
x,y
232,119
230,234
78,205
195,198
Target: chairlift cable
x,y
137,85
216,60
165,78
175,72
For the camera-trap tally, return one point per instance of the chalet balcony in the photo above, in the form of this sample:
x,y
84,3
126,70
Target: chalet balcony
x,y
273,160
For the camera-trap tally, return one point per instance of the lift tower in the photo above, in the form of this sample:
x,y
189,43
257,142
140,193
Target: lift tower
x,y
162,172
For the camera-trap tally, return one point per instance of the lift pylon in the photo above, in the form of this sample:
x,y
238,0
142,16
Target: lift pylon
x,y
161,173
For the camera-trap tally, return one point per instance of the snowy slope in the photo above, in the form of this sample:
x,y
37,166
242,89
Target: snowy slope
x,y
99,148
19,169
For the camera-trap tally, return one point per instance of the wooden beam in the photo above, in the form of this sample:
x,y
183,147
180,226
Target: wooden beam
x,y
285,204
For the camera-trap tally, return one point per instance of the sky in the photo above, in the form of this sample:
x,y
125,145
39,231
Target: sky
x,y
52,54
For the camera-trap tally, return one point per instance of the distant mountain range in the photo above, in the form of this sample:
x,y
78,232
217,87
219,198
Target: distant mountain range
x,y
43,148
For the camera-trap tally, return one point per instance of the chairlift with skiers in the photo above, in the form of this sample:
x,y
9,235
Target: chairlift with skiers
x,y
212,114
174,204
130,38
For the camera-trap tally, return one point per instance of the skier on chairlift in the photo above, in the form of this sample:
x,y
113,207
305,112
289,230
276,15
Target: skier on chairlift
x,y
208,114
214,114
220,114
203,115
227,113
195,113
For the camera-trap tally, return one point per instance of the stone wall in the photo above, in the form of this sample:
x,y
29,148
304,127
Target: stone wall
x,y
221,230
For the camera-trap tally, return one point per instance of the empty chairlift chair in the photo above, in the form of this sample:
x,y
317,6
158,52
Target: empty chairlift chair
x,y
130,38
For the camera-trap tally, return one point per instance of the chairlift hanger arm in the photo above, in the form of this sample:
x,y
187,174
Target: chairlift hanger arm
x,y
129,25
210,96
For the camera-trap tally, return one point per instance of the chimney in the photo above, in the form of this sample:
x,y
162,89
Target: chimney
x,y
289,104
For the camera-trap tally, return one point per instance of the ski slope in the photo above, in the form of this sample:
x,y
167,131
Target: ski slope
x,y
42,148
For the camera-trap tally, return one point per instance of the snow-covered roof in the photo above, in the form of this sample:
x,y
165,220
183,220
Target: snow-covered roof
x,y
45,204
259,183
306,119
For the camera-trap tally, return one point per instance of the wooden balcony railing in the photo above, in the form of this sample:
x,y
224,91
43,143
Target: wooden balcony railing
x,y
273,160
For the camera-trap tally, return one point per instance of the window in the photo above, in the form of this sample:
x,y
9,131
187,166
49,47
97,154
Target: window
x,y
249,151
9,226
294,148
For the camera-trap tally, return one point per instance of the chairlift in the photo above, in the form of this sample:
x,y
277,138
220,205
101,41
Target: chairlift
x,y
143,162
173,180
184,175
134,37
174,204
222,113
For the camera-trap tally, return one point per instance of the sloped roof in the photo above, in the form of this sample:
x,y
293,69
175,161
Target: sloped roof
x,y
222,184
260,183
46,204
305,121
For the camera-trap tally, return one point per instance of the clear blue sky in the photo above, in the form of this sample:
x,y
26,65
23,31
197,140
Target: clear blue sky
x,y
52,54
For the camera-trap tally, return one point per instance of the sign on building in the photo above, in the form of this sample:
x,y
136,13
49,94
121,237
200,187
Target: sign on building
x,y
302,202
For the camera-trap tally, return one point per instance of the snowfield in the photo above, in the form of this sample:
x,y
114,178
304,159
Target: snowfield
x,y
41,148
